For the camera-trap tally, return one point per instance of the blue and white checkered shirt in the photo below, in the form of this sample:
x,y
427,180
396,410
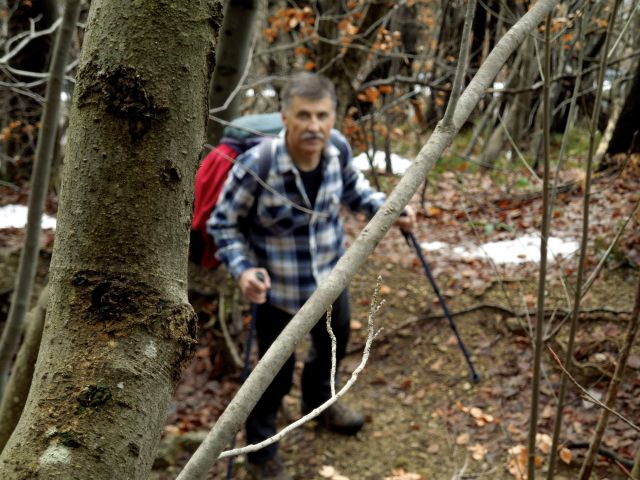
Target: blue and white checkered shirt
x,y
297,248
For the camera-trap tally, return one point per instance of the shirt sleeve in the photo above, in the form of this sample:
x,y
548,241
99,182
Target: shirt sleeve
x,y
357,193
233,207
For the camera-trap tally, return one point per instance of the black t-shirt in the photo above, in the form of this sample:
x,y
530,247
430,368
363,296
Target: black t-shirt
x,y
312,180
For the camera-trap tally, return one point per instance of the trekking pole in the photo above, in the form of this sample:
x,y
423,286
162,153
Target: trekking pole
x,y
411,241
245,367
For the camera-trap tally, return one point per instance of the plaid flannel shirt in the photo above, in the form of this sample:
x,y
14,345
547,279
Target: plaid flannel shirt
x,y
297,248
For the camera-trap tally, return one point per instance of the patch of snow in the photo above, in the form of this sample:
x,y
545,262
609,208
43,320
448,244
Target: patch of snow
x,y
519,250
151,350
399,164
55,454
15,216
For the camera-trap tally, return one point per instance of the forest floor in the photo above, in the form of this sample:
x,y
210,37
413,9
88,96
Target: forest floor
x,y
425,418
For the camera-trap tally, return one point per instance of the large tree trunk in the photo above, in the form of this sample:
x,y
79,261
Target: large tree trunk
x,y
232,54
626,135
119,327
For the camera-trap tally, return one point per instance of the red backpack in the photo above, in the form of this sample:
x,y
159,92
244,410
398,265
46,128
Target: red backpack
x,y
210,178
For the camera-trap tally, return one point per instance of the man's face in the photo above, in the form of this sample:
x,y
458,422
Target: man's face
x,y
308,123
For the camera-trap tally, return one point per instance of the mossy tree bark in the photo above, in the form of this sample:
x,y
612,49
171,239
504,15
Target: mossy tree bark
x,y
119,327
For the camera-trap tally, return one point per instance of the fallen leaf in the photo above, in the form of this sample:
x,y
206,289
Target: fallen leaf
x,y
327,471
478,451
544,441
475,412
634,362
356,324
462,439
401,474
433,449
565,455
437,365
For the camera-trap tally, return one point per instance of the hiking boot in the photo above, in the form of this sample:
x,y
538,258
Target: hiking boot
x,y
272,469
339,418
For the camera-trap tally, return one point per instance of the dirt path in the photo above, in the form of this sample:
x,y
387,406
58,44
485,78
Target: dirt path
x,y
427,420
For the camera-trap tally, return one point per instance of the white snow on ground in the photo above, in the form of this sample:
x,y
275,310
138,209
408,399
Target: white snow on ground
x,y
399,164
519,250
15,216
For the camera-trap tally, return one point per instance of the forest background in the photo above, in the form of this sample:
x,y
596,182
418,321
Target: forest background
x,y
548,147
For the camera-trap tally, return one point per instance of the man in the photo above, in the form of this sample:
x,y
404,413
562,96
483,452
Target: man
x,y
291,237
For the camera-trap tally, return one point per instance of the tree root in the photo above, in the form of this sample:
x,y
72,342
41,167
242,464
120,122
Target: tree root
x,y
587,314
626,463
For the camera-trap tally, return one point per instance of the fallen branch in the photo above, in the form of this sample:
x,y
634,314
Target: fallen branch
x,y
602,451
586,314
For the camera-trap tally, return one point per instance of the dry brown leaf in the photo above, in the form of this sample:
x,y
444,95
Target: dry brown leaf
x,y
355,325
565,455
402,474
544,441
462,439
433,449
478,451
517,465
475,412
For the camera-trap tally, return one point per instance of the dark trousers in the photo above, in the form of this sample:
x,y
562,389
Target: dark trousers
x,y
315,383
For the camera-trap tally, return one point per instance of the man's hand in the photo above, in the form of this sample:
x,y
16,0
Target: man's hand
x,y
407,219
254,283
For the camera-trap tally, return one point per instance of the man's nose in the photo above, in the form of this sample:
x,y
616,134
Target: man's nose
x,y
314,124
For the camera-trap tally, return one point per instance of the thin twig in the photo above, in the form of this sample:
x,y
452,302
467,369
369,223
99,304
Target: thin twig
x,y
544,235
375,307
458,80
225,333
334,344
590,397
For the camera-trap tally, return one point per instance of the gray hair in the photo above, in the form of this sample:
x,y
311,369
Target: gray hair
x,y
311,86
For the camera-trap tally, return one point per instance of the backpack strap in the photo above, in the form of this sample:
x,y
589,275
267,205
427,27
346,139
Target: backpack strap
x,y
338,141
264,158
264,165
